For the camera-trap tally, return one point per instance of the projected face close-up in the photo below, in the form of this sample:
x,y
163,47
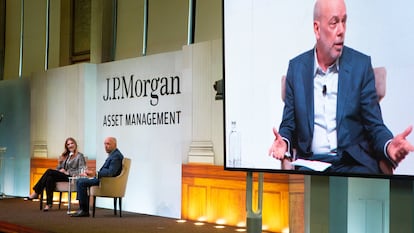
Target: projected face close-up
x,y
324,88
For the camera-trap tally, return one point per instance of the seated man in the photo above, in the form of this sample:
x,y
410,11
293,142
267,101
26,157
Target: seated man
x,y
331,111
112,167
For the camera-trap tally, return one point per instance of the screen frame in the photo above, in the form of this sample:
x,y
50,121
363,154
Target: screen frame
x,y
353,43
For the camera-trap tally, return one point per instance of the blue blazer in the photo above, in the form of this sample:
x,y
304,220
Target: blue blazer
x,y
361,132
113,165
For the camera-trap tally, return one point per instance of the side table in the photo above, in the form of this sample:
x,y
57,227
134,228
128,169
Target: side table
x,y
72,188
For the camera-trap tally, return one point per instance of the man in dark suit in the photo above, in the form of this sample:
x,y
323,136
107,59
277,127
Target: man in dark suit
x,y
331,111
112,167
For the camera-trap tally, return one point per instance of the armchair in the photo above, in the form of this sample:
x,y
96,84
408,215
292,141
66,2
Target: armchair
x,y
113,187
61,186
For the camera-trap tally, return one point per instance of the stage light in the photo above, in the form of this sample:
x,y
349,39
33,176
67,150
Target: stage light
x,y
221,221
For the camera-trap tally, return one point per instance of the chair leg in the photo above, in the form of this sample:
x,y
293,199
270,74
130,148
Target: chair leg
x,y
94,205
60,199
115,206
41,201
120,206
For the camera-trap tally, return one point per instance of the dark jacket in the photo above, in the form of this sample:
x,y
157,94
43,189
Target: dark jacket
x,y
112,166
360,129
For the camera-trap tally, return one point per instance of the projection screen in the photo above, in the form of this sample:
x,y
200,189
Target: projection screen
x,y
261,36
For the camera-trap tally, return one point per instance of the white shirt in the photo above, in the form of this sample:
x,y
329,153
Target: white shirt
x,y
325,97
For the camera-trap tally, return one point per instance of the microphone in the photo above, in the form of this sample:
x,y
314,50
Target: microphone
x,y
324,90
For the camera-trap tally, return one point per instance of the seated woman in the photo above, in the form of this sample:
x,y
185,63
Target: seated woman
x,y
69,164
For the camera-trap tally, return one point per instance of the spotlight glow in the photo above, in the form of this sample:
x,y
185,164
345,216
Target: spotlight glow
x,y
285,230
241,224
221,221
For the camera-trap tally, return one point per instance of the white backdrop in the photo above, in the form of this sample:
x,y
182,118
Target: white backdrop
x,y
156,150
262,35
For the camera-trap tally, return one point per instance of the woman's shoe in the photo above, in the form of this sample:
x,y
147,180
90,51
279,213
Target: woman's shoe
x,y
31,197
47,208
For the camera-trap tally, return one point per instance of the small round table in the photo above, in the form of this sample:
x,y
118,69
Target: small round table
x,y
72,188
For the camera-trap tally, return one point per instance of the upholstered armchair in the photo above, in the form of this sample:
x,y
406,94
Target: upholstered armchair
x,y
112,187
61,187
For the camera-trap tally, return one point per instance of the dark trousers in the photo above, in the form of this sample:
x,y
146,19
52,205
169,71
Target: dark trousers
x,y
82,186
48,182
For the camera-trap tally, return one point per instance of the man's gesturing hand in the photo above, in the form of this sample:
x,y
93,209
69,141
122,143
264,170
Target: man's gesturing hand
x,y
279,147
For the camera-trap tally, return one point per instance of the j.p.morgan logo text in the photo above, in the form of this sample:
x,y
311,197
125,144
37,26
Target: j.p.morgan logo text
x,y
119,88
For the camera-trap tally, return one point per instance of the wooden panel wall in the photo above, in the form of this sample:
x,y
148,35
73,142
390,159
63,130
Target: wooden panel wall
x,y
210,193
297,203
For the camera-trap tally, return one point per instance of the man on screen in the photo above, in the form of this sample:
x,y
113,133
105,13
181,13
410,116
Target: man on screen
x,y
331,111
